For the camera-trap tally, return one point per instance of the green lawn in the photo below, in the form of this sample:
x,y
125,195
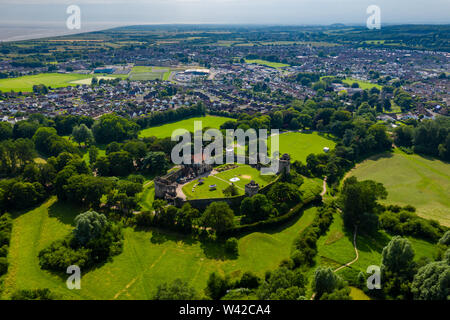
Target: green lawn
x,y
267,63
147,197
141,73
166,130
411,179
55,80
300,145
222,180
365,85
149,258
358,294
32,232
336,248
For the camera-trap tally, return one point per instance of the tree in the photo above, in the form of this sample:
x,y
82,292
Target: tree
x,y
155,163
111,127
232,246
432,282
445,240
398,255
120,163
6,131
284,192
41,138
86,190
249,280
82,134
216,286
34,294
397,268
218,216
89,225
358,200
176,290
231,191
93,154
325,281
256,208
283,284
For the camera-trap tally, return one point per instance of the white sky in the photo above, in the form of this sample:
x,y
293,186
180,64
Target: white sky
x,y
293,12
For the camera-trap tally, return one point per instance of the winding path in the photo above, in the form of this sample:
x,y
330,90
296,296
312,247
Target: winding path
x,y
356,251
324,188
349,263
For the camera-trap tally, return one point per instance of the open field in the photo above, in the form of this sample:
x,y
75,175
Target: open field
x,y
147,197
301,145
149,258
245,173
411,179
55,80
32,232
148,73
362,84
336,248
267,63
88,81
166,130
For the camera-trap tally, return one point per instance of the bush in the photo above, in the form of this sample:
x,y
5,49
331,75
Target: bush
x,y
36,294
404,222
232,246
59,255
249,280
3,266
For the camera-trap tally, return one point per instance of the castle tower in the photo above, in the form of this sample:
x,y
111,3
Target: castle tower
x,y
251,188
285,164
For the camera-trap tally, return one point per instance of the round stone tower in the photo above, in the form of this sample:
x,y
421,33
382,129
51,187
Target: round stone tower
x,y
251,188
285,164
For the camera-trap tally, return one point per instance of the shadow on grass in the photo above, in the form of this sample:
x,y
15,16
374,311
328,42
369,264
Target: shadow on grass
x,y
282,226
372,242
214,250
64,212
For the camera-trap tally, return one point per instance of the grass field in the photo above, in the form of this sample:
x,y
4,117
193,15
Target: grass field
x,y
362,84
300,145
149,73
32,232
336,248
88,81
166,130
55,80
267,63
411,179
147,197
149,258
222,180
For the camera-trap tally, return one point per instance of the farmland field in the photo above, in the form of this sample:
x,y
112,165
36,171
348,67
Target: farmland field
x,y
300,145
267,63
245,174
55,80
165,131
411,179
149,258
